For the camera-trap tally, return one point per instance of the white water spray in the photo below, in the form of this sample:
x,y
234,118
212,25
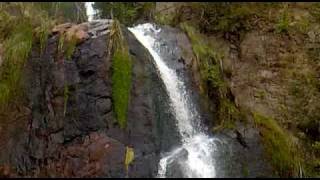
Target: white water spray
x,y
200,148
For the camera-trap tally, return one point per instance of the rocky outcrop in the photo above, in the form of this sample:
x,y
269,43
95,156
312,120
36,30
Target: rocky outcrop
x,y
71,130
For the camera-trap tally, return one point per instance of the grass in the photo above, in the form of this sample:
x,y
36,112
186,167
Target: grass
x,y
17,47
18,34
70,47
67,47
280,146
283,23
121,76
209,60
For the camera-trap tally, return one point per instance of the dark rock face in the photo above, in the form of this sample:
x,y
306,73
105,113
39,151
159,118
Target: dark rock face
x,y
240,153
71,131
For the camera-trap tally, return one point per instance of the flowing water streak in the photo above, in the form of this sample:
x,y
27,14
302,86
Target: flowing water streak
x,y
199,161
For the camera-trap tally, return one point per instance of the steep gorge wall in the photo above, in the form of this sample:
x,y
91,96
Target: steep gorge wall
x,y
70,129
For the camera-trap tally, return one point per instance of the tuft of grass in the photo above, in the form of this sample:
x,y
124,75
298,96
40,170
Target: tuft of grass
x,y
70,47
66,47
209,60
121,75
280,146
283,23
18,33
16,51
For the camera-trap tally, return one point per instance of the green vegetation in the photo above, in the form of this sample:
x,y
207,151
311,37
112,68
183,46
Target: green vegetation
x,y
126,12
283,21
218,17
70,47
121,74
66,47
208,59
211,74
280,146
65,11
18,33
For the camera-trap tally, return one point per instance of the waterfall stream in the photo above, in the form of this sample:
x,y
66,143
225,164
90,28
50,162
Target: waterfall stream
x,y
195,156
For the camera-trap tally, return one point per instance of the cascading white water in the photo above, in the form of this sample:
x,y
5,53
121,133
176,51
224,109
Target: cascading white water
x,y
200,148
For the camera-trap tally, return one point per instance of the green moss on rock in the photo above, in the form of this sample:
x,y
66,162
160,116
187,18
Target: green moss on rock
x,y
280,146
121,75
121,83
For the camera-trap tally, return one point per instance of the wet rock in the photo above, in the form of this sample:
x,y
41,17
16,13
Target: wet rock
x,y
242,149
71,129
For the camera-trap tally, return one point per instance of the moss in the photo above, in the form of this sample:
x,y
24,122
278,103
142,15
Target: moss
x,y
121,76
279,146
121,85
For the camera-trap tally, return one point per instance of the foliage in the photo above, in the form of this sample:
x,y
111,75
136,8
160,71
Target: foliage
x,y
216,17
65,11
126,12
121,74
70,47
16,49
283,21
279,146
209,60
67,46
21,26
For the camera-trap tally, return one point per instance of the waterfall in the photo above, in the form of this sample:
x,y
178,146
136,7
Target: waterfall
x,y
89,10
197,146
